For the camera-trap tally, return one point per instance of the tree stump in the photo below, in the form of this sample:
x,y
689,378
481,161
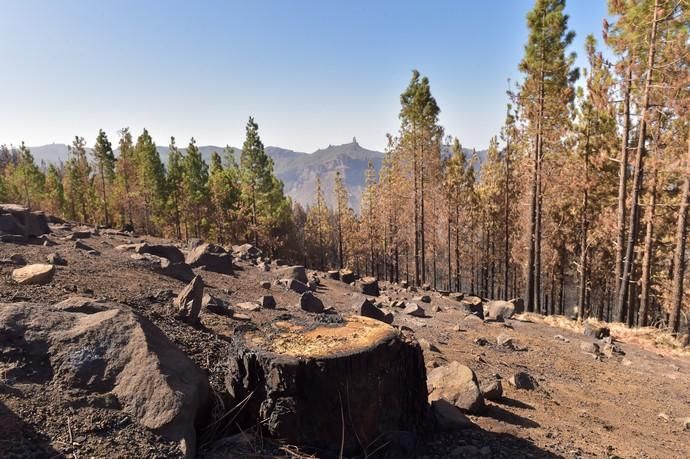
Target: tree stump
x,y
317,384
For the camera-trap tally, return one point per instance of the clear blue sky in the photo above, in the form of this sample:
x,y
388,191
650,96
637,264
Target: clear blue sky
x,y
310,72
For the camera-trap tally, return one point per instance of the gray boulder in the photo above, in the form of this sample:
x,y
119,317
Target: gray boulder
x,y
210,257
457,384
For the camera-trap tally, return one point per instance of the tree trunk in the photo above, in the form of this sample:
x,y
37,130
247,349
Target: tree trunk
x,y
637,180
647,260
622,180
679,251
339,398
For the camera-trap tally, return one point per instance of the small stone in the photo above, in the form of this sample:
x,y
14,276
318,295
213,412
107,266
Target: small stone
x,y
504,341
422,299
18,259
664,417
589,348
56,259
685,423
188,302
523,380
492,390
596,332
435,308
265,285
413,309
81,246
427,346
248,306
448,416
242,317
267,301
561,338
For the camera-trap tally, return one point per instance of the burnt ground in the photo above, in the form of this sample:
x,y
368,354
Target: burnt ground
x,y
626,406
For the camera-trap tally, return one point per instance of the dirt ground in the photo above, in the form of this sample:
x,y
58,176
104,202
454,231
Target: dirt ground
x,y
628,406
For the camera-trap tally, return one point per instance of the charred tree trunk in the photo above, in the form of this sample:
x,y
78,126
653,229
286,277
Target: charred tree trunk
x,y
647,260
622,181
337,388
679,251
637,181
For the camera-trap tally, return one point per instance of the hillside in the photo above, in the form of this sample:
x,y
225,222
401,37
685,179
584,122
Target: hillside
x,y
297,170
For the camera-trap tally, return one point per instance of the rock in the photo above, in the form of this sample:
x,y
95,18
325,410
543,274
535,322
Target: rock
x,y
472,306
347,276
18,220
369,286
335,275
267,302
298,370
188,302
436,308
479,341
492,390
589,348
215,305
265,285
518,304
240,316
367,309
18,259
56,259
210,257
499,310
168,251
81,246
504,340
248,306
82,304
295,285
34,274
448,417
180,271
457,384
612,350
523,380
596,332
404,284
265,267
298,273
427,346
126,247
457,296
422,299
413,309
310,303
109,353
246,251
426,287
561,338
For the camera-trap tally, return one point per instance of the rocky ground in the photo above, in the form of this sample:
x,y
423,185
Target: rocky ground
x,y
584,403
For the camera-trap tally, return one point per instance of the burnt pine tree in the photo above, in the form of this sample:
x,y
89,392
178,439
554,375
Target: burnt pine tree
x,y
544,97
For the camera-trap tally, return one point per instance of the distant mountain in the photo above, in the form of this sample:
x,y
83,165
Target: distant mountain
x,y
297,170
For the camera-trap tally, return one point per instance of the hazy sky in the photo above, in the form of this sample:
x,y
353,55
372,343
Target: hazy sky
x,y
312,73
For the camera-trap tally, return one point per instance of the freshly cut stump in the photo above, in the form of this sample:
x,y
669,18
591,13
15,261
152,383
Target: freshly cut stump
x,y
315,383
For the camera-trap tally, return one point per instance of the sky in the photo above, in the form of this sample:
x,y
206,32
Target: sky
x,y
311,72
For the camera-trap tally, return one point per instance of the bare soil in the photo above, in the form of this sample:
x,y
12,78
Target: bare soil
x,y
626,406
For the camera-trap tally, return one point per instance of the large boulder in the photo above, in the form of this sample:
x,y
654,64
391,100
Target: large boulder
x,y
113,353
347,276
210,257
368,309
292,272
18,220
169,251
499,310
188,302
34,274
310,303
456,384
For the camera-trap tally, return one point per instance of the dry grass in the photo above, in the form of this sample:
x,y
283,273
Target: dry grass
x,y
650,338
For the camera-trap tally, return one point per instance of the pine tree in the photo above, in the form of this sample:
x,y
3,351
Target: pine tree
x,y
421,137
54,201
224,194
317,227
126,178
78,180
194,179
27,179
342,214
175,184
544,97
150,180
105,170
